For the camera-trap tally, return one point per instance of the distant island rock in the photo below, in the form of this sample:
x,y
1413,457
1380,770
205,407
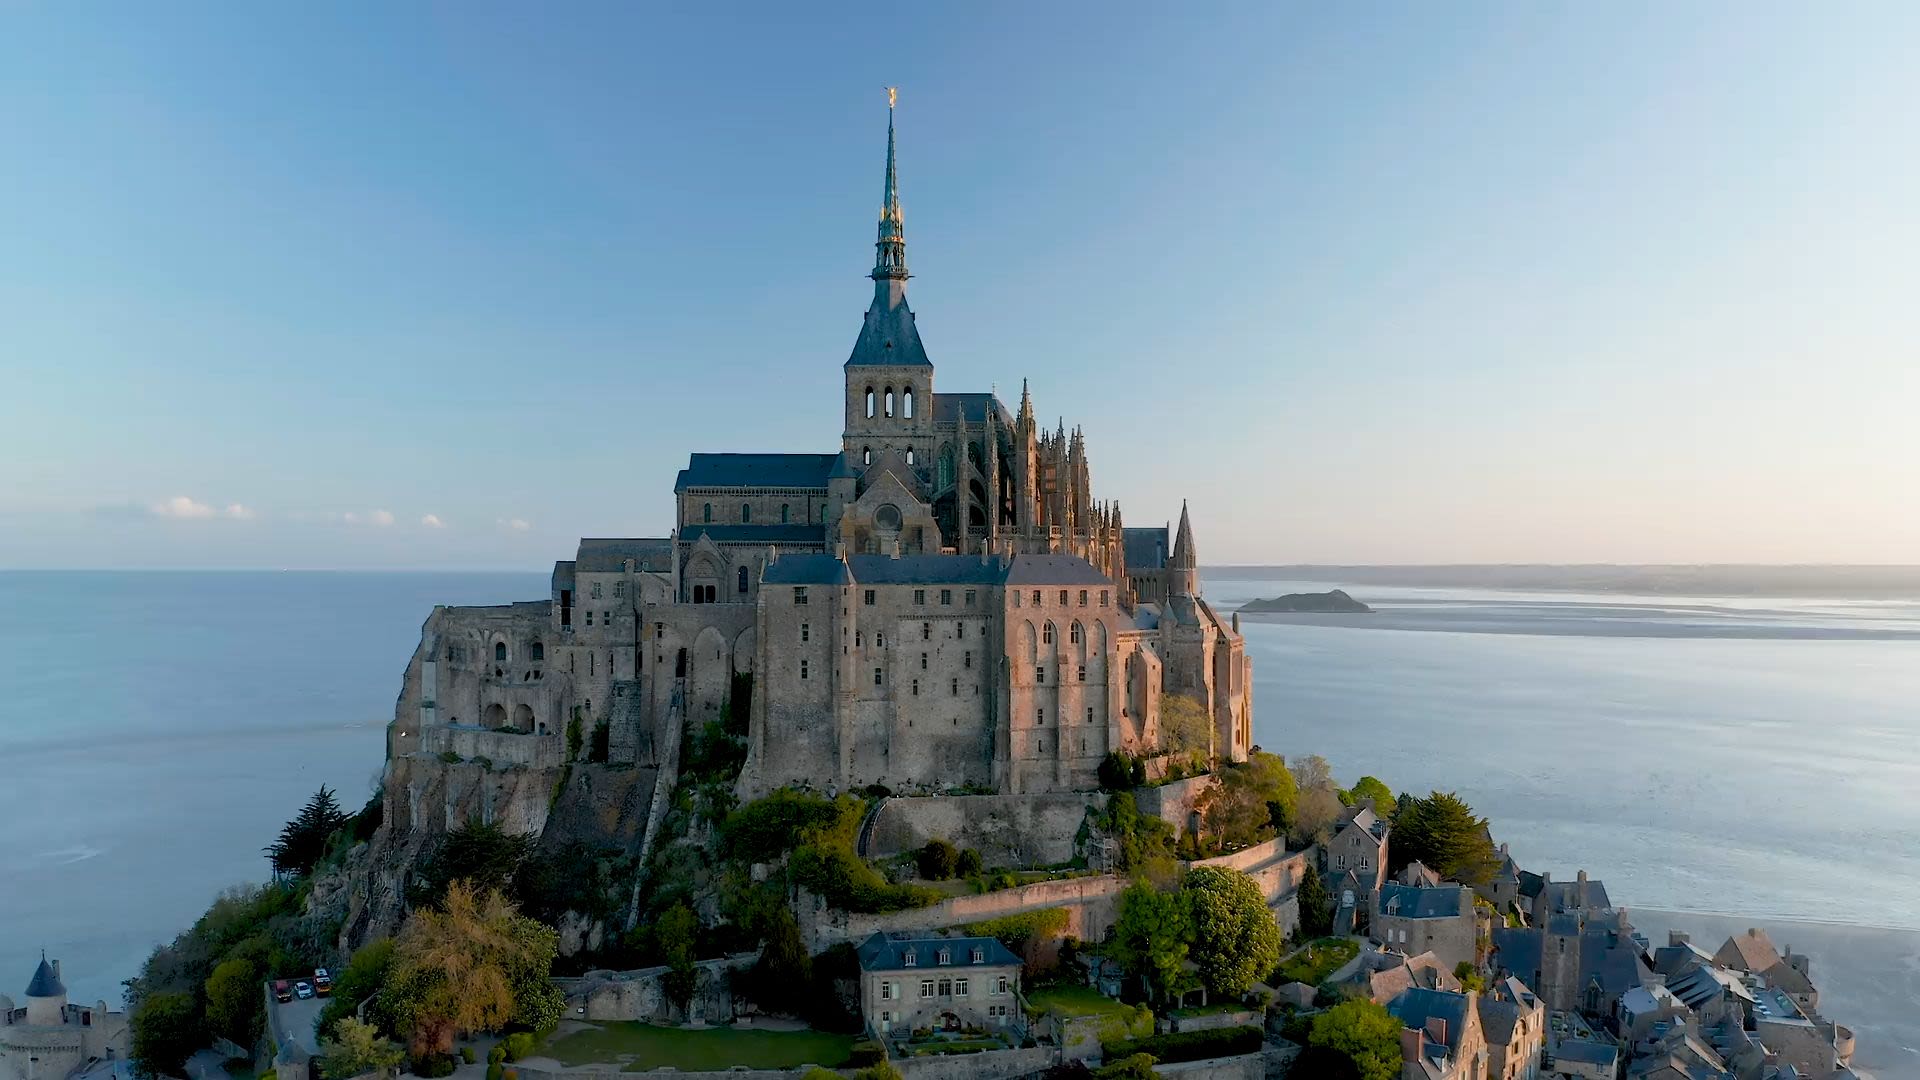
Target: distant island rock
x,y
1336,601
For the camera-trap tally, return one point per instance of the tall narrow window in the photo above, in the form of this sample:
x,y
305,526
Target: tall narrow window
x,y
1046,633
746,513
806,631
926,631
906,403
877,676
799,594
889,401
946,597
870,398
783,513
803,669
706,513
916,688
1073,632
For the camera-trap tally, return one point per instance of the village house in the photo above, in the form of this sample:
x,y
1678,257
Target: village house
x,y
1514,1023
1439,919
910,983
1441,1037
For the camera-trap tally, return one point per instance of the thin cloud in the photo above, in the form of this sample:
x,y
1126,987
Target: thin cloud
x,y
239,512
432,521
180,506
516,524
382,518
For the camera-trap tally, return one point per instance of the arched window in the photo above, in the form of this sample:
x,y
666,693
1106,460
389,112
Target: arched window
x,y
706,513
499,652
909,455
746,513
783,513
1046,633
743,579
866,455
870,402
823,513
1073,632
906,403
889,401
537,652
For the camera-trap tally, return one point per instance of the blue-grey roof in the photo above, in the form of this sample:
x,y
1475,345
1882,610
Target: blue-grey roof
x,y
563,575
755,470
948,408
888,336
888,952
1416,1005
608,555
46,982
843,467
1413,902
1146,549
1054,570
1586,1050
806,570
757,534
927,570
1519,952
1606,956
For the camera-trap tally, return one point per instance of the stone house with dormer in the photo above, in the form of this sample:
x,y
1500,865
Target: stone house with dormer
x,y
925,982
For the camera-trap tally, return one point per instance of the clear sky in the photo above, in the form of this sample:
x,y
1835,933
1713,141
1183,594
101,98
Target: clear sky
x,y
379,285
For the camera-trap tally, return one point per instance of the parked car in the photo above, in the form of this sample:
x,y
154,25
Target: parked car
x,y
282,991
322,982
303,989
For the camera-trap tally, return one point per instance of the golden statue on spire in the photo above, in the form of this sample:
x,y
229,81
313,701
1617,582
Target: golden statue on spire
x,y
893,96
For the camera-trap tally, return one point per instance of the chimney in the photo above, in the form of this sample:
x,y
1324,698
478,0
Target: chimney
x,y
1236,622
1677,938
894,551
1437,1029
56,968
1503,847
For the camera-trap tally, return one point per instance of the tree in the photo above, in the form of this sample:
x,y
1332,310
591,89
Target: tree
x,y
1319,800
783,976
675,934
1235,940
1363,1034
234,1004
1442,831
1469,976
1132,1067
474,964
1371,787
362,978
357,1048
166,1032
1151,936
968,864
1316,906
483,855
304,839
1248,800
1185,728
937,859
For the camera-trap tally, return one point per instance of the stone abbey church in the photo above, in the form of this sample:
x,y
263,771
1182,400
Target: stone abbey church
x,y
940,603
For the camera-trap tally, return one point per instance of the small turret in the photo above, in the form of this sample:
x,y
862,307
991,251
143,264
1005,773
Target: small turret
x,y
46,994
1183,570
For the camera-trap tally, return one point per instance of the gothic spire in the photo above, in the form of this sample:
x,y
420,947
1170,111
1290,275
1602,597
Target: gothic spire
x,y
890,260
1183,575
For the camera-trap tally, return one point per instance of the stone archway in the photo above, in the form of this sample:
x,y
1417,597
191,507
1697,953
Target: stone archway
x,y
523,716
494,716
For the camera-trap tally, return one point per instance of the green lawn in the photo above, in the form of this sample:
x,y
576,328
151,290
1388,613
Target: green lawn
x,y
646,1046
1076,1001
1329,955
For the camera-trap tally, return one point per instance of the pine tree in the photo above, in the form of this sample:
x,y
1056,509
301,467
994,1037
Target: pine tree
x,y
303,841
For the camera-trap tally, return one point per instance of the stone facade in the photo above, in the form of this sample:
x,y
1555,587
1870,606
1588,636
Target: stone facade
x,y
1440,920
919,983
938,605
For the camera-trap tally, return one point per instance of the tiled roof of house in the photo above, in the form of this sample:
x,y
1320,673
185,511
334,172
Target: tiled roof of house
x,y
900,952
1414,902
1416,1006
1752,951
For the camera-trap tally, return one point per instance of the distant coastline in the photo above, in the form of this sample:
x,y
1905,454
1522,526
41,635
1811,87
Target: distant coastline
x,y
1857,582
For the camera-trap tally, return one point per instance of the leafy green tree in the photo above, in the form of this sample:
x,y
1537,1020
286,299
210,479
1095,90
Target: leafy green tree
x,y
1152,934
304,839
1185,728
1469,976
1371,787
968,864
1139,839
234,1004
937,859
675,934
1132,1067
1443,832
1362,1034
362,978
483,855
167,1030
1248,801
473,964
358,1048
1235,940
1316,906
783,976
1319,800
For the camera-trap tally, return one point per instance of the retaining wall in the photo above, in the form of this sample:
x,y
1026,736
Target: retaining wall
x,y
1008,830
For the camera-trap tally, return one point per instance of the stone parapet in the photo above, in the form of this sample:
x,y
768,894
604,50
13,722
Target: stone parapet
x,y
502,748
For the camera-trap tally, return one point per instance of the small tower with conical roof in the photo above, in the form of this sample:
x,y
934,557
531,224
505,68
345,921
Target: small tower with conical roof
x,y
1183,570
46,994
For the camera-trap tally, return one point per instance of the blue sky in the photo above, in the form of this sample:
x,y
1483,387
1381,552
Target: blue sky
x,y
1389,284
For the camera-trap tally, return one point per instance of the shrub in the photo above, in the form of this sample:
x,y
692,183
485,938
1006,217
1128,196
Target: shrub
x,y
520,1045
1120,771
450,758
968,864
937,859
1190,1045
466,1054
494,1070
433,1066
1132,1067
865,1052
496,1055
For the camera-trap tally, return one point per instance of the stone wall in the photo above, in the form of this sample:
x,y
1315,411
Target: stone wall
x,y
1173,802
1241,1067
1008,830
502,748
993,1065
641,994
1092,904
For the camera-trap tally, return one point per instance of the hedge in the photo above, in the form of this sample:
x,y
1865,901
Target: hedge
x,y
1190,1045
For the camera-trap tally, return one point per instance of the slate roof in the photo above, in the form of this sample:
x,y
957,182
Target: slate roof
x,y
1498,1019
774,533
792,569
1146,548
1565,895
1054,570
605,555
948,408
1587,1051
888,337
926,570
1414,902
46,982
563,575
888,952
755,470
1416,1006
1606,956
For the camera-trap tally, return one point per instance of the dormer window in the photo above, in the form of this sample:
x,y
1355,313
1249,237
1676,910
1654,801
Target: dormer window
x,y
911,959
979,956
946,957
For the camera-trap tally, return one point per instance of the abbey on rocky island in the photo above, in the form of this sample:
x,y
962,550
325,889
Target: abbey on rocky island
x,y
941,604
